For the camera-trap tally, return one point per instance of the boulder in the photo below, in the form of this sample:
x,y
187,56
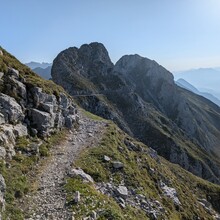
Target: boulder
x,y
59,120
64,101
11,110
39,97
77,197
170,193
131,146
117,164
122,191
13,72
79,172
47,107
42,121
69,121
106,158
20,130
1,53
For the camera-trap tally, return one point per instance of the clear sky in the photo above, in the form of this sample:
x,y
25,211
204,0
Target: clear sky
x,y
178,34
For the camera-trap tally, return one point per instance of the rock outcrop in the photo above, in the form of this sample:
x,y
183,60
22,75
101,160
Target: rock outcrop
x,y
31,108
28,110
143,99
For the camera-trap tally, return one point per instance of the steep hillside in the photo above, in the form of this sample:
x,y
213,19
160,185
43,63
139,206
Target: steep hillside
x,y
135,183
142,98
33,113
96,171
43,72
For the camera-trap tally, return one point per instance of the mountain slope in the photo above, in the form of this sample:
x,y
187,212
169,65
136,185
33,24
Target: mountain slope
x,y
142,98
96,171
184,84
44,73
34,113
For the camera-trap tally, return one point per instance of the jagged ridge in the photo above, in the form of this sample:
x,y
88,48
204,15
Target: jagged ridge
x,y
142,98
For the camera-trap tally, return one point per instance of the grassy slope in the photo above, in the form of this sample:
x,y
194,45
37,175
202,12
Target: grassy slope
x,y
32,79
137,175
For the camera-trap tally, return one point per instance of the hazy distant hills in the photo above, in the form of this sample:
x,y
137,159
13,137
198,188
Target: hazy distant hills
x,y
42,69
184,84
205,79
34,65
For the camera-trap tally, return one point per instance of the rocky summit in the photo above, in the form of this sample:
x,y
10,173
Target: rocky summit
x,y
59,161
142,98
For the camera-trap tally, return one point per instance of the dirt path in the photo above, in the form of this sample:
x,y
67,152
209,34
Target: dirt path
x,y
49,201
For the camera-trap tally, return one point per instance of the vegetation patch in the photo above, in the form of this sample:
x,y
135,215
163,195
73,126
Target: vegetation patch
x,y
17,172
142,174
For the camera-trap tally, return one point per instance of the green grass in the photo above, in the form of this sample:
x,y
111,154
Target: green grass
x,y
17,177
92,200
92,116
32,79
137,175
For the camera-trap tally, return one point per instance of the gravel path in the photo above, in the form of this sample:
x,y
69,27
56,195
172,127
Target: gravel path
x,y
49,201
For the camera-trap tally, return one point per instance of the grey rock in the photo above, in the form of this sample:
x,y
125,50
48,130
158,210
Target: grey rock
x,y
2,153
79,172
64,101
106,158
59,120
1,75
35,146
11,110
1,53
40,97
131,146
16,86
42,121
2,192
47,107
122,191
20,130
77,197
69,121
13,72
94,215
34,131
171,193
2,119
153,154
117,164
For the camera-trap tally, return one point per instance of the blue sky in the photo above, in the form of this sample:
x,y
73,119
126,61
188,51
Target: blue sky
x,y
178,34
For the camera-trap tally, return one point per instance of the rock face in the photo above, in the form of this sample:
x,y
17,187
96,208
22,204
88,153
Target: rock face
x,y
142,98
28,110
25,108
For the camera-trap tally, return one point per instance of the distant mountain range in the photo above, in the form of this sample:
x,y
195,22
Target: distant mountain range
x,y
34,65
184,84
42,69
205,79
